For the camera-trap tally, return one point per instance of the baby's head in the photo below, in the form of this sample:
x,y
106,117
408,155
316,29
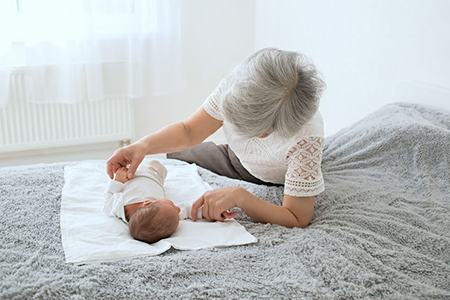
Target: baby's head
x,y
154,221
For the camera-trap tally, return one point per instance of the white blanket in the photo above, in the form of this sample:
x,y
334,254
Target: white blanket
x,y
90,236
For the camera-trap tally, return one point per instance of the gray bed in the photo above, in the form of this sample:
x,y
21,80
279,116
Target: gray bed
x,y
381,230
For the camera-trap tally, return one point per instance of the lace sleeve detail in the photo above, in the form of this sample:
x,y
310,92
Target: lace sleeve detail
x,y
304,175
212,103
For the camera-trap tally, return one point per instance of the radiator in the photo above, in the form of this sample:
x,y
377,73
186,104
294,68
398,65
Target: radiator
x,y
27,126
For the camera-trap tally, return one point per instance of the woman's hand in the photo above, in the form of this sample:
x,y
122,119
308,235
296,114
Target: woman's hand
x,y
129,157
216,203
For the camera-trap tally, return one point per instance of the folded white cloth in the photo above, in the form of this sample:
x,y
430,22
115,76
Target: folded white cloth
x,y
89,235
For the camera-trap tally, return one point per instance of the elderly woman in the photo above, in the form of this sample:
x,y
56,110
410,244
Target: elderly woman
x,y
268,109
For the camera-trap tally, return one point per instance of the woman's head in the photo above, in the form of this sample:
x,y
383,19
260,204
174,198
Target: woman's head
x,y
272,91
155,220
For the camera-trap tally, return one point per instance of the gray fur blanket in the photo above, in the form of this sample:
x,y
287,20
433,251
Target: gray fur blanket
x,y
381,230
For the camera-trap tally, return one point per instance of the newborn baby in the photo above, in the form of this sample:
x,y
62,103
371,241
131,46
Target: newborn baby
x,y
140,202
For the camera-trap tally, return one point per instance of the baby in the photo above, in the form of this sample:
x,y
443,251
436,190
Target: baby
x,y
140,202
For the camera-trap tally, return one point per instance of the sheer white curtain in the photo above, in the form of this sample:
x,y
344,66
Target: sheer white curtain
x,y
71,50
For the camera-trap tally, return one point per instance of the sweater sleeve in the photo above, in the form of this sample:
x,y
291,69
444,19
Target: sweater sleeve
x,y
304,175
114,202
212,104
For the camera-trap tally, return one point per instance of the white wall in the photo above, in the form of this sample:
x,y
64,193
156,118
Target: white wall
x,y
216,35
365,49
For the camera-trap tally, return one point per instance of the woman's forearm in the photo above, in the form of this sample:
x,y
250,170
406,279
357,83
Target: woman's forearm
x,y
181,135
171,138
264,212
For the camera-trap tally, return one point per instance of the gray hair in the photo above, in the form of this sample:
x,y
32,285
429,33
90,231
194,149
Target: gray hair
x,y
272,91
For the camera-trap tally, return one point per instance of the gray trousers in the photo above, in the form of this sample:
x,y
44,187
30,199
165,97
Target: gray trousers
x,y
219,159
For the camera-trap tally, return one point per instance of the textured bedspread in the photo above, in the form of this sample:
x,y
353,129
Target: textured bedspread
x,y
380,230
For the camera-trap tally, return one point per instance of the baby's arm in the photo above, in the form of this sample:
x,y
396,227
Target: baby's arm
x,y
114,201
185,212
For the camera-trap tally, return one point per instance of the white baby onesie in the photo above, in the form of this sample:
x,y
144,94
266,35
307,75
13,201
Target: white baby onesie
x,y
147,183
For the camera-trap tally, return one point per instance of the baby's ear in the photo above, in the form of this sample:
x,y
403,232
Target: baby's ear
x,y
147,202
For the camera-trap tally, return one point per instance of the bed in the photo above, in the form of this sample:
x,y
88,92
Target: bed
x,y
381,229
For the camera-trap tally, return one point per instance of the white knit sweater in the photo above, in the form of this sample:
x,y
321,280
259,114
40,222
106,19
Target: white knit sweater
x,y
294,162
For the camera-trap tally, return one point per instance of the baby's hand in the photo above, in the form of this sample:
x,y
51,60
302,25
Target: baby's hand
x,y
121,175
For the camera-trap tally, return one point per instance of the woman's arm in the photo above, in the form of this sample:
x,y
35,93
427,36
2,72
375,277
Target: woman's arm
x,y
182,135
175,137
295,211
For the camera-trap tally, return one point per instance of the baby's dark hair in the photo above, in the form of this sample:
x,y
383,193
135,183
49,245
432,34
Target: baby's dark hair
x,y
148,225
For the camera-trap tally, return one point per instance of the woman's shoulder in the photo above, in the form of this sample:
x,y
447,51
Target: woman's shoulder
x,y
311,133
314,127
213,104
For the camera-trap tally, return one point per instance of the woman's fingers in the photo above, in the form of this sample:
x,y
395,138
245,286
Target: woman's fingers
x,y
109,170
206,201
197,204
217,211
229,215
134,164
114,163
215,205
131,155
